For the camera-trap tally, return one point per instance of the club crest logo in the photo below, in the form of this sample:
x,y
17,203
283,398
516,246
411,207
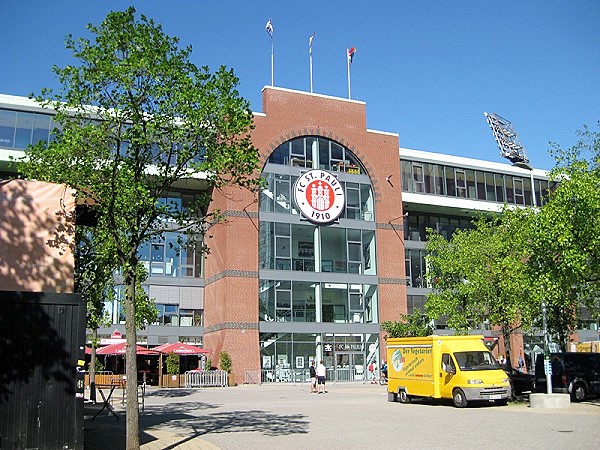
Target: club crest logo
x,y
319,196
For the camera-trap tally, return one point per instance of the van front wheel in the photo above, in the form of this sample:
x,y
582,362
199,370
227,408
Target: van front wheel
x,y
459,399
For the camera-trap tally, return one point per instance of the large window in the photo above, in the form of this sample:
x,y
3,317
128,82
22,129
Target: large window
x,y
284,246
21,129
427,178
166,256
297,301
318,153
325,254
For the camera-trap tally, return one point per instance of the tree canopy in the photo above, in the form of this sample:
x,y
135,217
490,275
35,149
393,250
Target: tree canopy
x,y
410,325
507,266
564,238
137,121
479,276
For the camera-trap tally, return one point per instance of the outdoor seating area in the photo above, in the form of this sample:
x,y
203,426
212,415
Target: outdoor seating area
x,y
151,364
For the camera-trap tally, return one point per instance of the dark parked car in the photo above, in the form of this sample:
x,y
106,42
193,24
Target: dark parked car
x,y
520,382
575,373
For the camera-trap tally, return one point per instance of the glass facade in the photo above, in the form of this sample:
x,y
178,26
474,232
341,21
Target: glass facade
x,y
19,129
286,357
438,179
308,272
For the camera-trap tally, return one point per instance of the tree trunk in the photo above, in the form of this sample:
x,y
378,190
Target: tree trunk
x,y
93,367
132,408
506,337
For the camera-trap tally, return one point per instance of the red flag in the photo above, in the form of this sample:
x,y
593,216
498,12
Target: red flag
x,y
351,52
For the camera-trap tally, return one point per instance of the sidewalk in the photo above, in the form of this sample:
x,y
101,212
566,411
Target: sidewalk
x,y
349,415
105,432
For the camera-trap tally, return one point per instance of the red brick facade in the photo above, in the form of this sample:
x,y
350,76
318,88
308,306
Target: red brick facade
x,y
231,271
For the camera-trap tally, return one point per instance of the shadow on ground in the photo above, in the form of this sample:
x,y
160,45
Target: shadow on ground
x,y
189,420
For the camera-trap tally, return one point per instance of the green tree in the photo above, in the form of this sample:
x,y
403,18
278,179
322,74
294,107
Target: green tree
x,y
410,325
94,279
480,275
95,265
225,361
565,238
137,119
172,362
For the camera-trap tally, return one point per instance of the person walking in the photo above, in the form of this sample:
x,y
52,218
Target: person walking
x,y
313,378
321,376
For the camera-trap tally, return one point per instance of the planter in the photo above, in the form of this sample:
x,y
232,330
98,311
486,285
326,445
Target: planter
x,y
171,381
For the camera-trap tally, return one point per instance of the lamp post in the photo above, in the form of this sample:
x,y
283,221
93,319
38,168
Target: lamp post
x,y
547,365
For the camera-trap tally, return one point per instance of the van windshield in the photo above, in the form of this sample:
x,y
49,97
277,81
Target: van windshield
x,y
477,360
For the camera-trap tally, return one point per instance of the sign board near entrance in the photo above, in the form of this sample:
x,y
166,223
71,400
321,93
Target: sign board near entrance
x,y
349,346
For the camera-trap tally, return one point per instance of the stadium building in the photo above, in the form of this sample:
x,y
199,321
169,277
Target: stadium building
x,y
333,246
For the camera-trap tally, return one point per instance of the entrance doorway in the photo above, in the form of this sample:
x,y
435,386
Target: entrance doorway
x,y
349,367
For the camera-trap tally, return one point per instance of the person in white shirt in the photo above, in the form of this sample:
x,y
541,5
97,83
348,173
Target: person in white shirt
x,y
321,376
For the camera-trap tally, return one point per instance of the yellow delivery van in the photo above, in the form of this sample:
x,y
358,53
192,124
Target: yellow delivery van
x,y
460,368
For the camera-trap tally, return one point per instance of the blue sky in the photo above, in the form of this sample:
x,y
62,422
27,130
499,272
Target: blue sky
x,y
426,69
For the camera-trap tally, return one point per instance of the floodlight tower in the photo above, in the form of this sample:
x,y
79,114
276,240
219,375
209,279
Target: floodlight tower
x,y
511,149
510,146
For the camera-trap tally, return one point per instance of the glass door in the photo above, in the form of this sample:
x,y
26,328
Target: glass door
x,y
349,366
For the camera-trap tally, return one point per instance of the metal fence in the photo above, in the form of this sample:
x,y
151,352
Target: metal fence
x,y
280,375
205,378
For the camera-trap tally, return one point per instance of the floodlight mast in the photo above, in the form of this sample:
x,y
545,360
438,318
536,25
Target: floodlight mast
x,y
507,139
511,149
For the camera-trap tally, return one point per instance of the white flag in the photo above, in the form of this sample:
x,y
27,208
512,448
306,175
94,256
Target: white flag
x,y
269,28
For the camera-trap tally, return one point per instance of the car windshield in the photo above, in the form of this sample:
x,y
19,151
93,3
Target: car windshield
x,y
477,360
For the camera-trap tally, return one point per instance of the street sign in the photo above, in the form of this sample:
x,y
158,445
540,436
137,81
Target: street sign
x,y
547,367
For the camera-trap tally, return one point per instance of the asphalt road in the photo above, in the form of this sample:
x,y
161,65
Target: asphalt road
x,y
348,416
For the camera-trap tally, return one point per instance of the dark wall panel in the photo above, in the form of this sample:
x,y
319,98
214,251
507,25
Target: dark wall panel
x,y
42,338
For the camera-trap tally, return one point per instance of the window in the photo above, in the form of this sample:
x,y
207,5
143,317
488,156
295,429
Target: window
x,y
518,189
167,257
490,187
316,152
461,183
448,363
418,178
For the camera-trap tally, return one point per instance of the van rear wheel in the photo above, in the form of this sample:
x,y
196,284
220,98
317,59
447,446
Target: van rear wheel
x,y
404,398
459,399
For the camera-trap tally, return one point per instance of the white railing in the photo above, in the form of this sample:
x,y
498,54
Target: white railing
x,y
205,378
280,375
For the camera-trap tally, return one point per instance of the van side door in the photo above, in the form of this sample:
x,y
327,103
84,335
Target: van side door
x,y
447,373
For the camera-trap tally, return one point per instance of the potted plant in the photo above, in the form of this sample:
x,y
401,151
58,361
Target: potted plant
x,y
226,365
173,369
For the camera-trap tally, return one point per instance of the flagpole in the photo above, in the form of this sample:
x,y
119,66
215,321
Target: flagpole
x,y
269,30
310,59
348,63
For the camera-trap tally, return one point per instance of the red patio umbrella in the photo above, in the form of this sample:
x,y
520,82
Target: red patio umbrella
x,y
119,349
181,348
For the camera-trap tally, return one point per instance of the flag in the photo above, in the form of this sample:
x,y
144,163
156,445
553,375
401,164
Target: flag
x,y
310,42
269,28
351,52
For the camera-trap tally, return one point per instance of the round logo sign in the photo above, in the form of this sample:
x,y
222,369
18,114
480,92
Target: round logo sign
x,y
319,196
397,360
